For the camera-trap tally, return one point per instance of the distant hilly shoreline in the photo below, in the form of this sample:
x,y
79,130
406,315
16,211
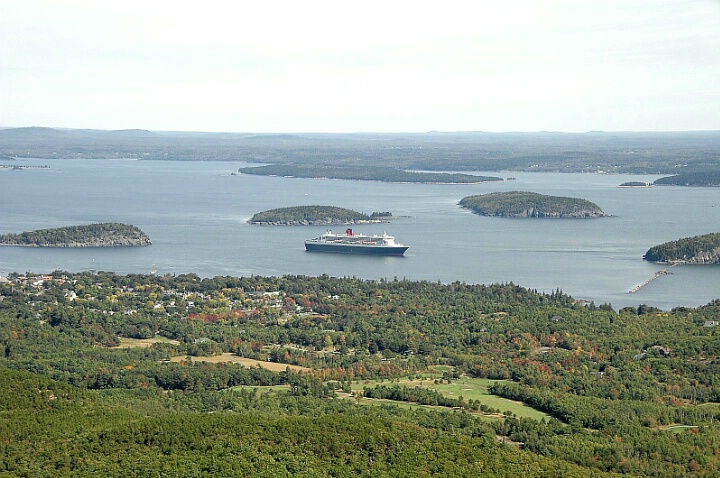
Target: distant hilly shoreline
x,y
598,152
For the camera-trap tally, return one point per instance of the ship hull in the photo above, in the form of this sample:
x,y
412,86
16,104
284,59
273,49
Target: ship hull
x,y
356,249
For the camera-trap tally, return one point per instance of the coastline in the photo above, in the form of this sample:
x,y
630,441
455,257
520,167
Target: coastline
x,y
319,223
76,246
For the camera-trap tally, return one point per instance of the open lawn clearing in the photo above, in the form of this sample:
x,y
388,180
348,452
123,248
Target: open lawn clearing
x,y
469,389
382,401
442,368
263,388
228,357
678,428
126,343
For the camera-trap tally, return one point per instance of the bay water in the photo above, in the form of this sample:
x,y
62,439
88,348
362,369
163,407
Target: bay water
x,y
196,215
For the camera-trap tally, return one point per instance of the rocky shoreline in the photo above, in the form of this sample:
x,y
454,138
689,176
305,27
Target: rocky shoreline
x,y
91,235
106,242
696,250
321,222
525,204
705,258
532,212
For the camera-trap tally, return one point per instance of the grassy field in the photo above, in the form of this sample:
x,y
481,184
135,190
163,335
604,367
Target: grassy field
x,y
126,343
262,389
228,357
469,389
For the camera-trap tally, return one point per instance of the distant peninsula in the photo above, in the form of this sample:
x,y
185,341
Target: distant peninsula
x,y
705,178
527,204
91,235
364,173
704,249
316,215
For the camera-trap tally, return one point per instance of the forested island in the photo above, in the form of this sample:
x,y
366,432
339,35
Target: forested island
x,y
635,184
703,249
528,204
702,178
316,215
107,234
365,173
129,375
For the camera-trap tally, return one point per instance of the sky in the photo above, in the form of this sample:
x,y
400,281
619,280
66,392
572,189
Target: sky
x,y
370,66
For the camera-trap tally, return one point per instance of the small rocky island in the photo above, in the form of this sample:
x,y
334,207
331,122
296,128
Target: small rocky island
x,y
316,215
90,235
704,249
527,204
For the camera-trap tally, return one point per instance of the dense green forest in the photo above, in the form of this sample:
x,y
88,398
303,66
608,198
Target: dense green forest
x,y
703,249
364,173
527,204
139,374
700,178
48,429
314,215
91,235
608,152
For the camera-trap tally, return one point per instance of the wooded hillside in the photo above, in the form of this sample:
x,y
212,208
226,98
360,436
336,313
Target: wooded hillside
x,y
120,373
703,178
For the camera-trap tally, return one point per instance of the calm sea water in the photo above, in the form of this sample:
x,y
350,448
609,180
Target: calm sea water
x,y
196,213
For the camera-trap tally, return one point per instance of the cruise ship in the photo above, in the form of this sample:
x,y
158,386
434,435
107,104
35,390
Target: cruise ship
x,y
351,243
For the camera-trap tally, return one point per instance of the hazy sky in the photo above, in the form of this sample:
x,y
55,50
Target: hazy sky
x,y
340,66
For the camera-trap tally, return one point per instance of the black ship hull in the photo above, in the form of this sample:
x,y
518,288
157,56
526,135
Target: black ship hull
x,y
356,249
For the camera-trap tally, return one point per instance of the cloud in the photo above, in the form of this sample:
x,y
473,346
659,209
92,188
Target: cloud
x,y
338,66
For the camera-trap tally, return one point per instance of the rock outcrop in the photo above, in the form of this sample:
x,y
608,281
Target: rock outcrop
x,y
703,249
706,257
316,222
533,212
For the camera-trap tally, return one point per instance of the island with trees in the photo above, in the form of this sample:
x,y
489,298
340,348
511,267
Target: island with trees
x,y
364,173
700,178
635,184
107,234
316,215
177,375
528,204
703,249
697,178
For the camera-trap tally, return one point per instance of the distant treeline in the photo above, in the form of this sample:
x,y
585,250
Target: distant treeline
x,y
90,235
653,153
363,174
528,204
686,249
